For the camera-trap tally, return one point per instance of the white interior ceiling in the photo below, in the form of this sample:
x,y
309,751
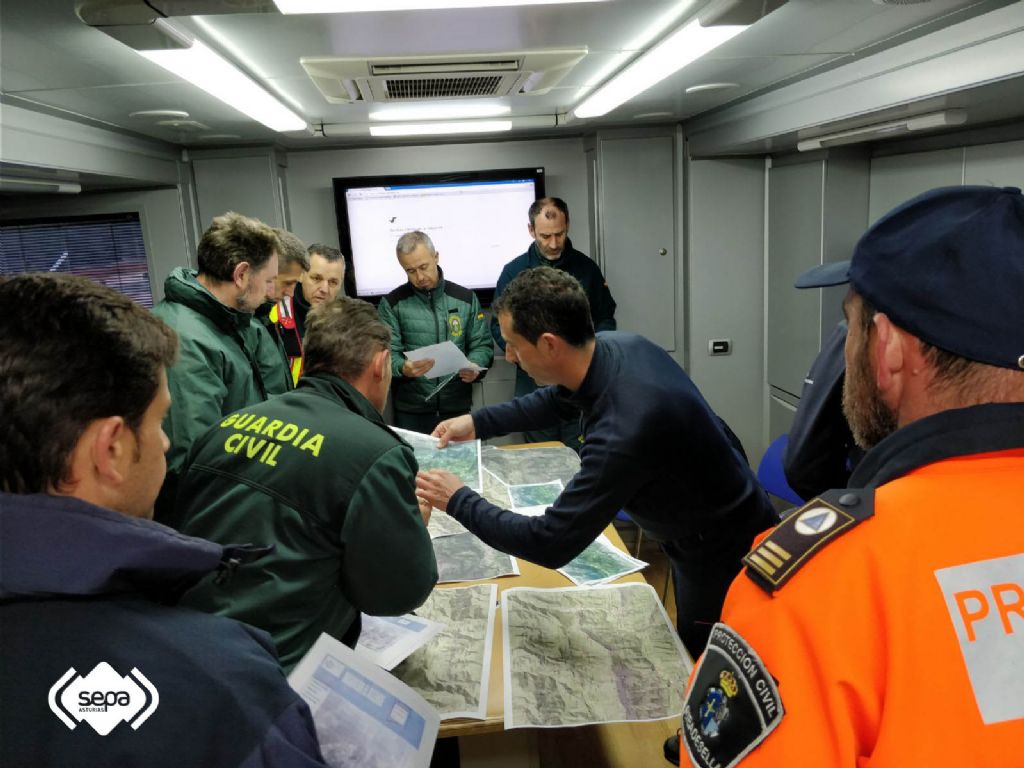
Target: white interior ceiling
x,y
50,60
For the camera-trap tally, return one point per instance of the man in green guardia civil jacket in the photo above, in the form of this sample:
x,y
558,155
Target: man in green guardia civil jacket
x,y
316,473
429,310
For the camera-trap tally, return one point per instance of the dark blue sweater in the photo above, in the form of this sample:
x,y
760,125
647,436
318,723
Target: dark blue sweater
x,y
653,447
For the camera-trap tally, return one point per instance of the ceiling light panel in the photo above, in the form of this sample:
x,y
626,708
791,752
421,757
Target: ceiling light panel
x,y
682,47
363,6
207,70
419,112
436,129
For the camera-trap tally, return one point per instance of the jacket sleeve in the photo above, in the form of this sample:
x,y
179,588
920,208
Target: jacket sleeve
x,y
290,742
503,279
607,480
198,393
537,410
602,305
389,567
480,346
820,442
390,319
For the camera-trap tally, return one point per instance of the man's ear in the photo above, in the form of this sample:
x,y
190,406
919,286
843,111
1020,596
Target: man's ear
x,y
110,447
529,228
239,273
382,364
888,352
550,344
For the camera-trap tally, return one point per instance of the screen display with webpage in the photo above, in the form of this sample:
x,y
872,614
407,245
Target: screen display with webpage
x,y
477,226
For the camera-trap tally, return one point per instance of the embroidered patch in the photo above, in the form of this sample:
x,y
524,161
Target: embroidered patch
x,y
803,533
733,704
455,325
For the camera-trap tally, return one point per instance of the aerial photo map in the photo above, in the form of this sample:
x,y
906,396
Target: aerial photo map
x,y
463,557
461,459
585,655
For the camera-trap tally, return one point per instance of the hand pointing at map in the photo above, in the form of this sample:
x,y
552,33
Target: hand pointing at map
x,y
437,486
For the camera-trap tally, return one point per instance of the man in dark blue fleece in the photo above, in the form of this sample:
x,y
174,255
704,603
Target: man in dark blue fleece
x,y
99,667
652,446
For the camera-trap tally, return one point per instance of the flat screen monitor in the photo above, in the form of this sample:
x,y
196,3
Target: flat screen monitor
x,y
476,220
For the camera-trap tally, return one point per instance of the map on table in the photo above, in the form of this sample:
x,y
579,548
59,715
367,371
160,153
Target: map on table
x,y
463,557
443,524
585,655
461,459
495,489
534,498
600,562
452,670
531,465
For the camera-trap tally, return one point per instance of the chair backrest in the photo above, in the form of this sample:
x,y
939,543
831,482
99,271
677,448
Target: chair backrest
x,y
771,475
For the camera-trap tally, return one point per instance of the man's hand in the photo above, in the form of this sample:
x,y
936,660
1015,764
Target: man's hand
x,y
425,508
437,487
469,375
458,429
412,369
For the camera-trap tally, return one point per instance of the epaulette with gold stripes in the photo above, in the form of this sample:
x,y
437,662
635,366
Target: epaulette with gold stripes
x,y
804,532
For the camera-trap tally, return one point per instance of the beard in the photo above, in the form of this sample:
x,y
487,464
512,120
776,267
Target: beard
x,y
870,419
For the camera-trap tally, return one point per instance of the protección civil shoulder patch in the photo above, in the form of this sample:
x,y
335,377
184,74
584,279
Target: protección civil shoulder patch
x,y
732,705
804,532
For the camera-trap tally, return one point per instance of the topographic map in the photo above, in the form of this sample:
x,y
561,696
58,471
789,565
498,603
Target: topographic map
x,y
586,655
531,465
451,671
463,557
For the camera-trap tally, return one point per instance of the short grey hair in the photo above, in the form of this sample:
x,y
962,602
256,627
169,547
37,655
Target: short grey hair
x,y
291,251
342,336
410,241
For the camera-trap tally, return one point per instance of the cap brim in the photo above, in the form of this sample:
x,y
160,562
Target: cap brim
x,y
824,275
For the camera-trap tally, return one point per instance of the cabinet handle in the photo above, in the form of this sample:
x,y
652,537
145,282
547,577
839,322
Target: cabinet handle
x,y
662,252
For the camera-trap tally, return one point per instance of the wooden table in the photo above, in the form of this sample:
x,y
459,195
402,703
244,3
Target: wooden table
x,y
598,745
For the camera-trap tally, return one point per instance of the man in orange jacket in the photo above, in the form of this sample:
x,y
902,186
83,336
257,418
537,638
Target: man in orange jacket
x,y
883,625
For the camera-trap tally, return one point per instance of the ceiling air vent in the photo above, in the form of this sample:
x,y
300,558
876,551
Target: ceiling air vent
x,y
422,78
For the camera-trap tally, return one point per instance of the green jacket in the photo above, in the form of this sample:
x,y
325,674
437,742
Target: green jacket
x,y
318,474
222,363
421,318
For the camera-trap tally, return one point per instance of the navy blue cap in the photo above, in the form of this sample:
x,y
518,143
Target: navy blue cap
x,y
947,266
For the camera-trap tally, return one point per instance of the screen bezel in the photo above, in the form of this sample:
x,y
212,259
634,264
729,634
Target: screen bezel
x,y
342,184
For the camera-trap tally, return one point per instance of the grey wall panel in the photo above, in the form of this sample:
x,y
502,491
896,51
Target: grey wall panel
x,y
780,416
725,287
247,185
637,230
311,196
898,178
794,246
160,213
1001,165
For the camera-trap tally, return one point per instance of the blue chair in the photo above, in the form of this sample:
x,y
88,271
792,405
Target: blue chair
x,y
770,473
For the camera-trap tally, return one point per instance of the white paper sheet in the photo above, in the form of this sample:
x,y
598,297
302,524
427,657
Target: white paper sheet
x,y
447,359
389,640
364,717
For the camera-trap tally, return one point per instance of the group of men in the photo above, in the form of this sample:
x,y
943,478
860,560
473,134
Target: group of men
x,y
859,625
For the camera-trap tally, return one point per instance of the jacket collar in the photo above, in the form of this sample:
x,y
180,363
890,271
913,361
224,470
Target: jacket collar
x,y
339,390
434,292
58,546
183,287
960,432
537,259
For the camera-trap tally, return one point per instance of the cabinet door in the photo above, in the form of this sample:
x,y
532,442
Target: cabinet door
x,y
248,185
637,233
794,246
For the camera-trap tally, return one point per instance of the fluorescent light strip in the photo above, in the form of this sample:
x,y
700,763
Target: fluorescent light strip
x,y
433,129
440,111
361,6
682,47
207,70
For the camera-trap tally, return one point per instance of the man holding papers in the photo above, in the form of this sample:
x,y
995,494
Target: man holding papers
x,y
429,310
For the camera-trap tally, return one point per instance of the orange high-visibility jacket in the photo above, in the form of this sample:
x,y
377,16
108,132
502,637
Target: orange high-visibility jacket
x,y
899,640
